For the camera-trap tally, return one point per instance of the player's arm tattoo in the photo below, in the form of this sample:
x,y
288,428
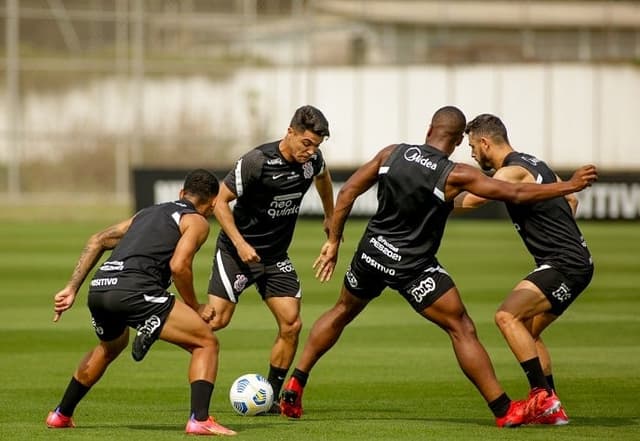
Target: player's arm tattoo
x,y
93,250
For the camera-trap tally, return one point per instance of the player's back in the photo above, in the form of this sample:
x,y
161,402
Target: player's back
x,y
412,211
141,258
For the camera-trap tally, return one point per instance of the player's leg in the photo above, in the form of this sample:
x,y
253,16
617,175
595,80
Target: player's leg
x,y
324,334
449,313
515,319
326,330
224,310
286,311
524,302
279,287
538,324
90,369
185,328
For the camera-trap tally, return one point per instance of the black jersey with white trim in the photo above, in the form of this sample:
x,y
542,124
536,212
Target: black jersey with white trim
x,y
269,192
140,261
408,226
547,228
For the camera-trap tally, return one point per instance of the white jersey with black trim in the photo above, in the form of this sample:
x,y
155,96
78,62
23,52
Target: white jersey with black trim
x,y
408,226
269,193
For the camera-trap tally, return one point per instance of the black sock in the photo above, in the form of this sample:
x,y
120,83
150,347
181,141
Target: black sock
x,y
302,377
550,382
276,378
500,405
72,395
533,370
201,391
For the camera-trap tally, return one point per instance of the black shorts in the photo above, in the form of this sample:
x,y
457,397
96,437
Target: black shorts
x,y
230,277
560,287
113,311
366,278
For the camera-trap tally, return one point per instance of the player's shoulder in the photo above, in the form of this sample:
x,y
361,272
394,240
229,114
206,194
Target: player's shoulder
x,y
523,164
267,150
265,153
513,173
523,159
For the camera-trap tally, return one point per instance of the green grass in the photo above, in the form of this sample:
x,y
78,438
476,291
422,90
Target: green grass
x,y
392,376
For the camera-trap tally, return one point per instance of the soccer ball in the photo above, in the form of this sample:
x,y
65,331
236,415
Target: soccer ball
x,y
251,394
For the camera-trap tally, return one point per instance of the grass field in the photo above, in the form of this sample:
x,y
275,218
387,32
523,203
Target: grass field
x,y
392,376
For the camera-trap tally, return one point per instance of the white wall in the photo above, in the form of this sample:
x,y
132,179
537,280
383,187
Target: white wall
x,y
568,114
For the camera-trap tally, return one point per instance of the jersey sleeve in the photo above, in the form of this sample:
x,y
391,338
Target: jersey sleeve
x,y
247,170
318,164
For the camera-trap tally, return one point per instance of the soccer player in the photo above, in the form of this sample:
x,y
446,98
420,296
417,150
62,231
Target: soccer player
x,y
417,185
150,249
267,185
564,266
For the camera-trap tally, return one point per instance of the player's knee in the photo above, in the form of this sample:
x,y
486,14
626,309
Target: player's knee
x,y
210,341
503,319
291,330
110,352
463,327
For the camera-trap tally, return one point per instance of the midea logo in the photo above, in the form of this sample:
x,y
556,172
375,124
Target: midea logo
x,y
414,154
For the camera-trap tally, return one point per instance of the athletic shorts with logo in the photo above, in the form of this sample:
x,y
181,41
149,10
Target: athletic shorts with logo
x,y
371,272
113,311
561,287
230,277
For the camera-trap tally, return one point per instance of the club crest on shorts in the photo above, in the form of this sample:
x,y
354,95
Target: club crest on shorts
x,y
240,283
351,279
99,329
562,293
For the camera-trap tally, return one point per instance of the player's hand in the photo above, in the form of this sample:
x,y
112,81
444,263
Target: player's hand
x,y
247,253
62,301
585,176
326,261
207,312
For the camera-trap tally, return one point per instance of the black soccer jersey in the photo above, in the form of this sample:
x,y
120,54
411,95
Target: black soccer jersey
x,y
548,228
269,192
140,261
408,226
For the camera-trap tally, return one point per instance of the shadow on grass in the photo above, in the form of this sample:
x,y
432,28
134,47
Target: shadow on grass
x,y
173,428
599,421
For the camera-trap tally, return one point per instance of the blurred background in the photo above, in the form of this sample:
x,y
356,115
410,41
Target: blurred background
x,y
93,90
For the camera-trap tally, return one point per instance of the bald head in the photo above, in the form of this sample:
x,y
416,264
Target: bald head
x,y
447,129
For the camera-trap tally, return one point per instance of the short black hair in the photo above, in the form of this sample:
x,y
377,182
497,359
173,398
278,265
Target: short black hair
x,y
488,125
451,119
201,183
309,118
